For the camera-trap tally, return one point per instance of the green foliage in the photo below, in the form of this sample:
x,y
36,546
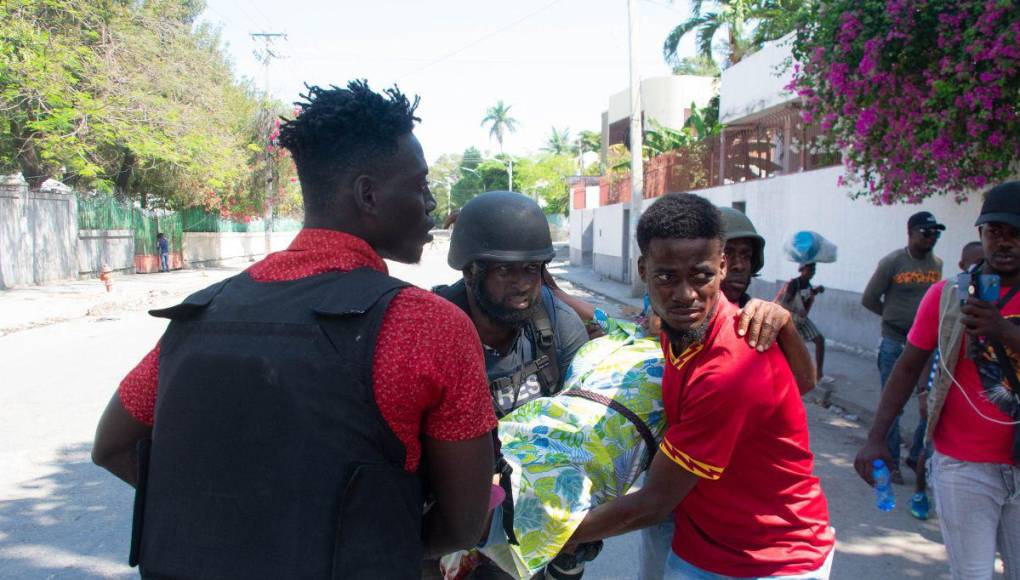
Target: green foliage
x,y
559,143
745,24
699,65
545,177
591,141
444,174
133,97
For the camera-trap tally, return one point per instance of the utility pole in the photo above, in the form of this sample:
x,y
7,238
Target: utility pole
x,y
266,55
637,173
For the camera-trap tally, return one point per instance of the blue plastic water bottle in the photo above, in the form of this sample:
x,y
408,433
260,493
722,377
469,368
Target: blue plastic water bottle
x,y
884,498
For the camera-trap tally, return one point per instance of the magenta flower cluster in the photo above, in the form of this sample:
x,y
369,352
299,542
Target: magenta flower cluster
x,y
921,96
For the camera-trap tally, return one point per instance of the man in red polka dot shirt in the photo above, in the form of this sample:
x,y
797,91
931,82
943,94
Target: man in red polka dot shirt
x,y
291,409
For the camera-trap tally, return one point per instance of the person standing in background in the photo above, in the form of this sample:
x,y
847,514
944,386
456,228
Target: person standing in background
x,y
894,293
164,252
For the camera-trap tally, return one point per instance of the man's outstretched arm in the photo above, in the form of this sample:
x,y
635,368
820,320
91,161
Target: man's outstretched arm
x,y
666,486
897,392
116,442
460,476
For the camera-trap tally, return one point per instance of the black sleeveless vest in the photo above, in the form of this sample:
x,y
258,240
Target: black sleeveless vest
x,y
269,458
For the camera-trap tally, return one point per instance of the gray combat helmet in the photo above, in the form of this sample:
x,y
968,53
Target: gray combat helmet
x,y
500,226
739,226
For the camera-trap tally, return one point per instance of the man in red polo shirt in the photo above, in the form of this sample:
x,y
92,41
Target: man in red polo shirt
x,y
262,441
735,467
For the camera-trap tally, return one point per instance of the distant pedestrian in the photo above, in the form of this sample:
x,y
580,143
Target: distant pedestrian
x,y
894,293
971,254
164,252
798,296
974,405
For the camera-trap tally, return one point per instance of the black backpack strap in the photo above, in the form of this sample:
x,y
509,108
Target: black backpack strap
x,y
456,293
548,371
641,426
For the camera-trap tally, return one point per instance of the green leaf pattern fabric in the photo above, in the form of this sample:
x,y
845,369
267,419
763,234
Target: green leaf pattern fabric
x,y
570,454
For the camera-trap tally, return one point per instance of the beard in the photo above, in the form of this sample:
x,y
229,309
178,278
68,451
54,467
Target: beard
x,y
685,338
496,312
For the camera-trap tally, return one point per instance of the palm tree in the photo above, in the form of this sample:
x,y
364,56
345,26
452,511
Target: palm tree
x,y
729,15
499,117
559,142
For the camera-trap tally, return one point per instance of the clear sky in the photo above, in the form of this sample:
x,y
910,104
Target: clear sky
x,y
556,62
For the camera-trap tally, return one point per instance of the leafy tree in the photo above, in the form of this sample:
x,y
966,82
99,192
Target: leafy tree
x,y
727,16
444,173
47,59
133,97
705,122
545,177
699,65
559,143
470,182
745,24
591,141
500,122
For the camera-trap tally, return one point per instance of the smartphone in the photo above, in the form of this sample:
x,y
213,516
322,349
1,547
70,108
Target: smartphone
x,y
983,287
988,287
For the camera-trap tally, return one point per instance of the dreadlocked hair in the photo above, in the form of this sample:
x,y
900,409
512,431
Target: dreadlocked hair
x,y
341,131
680,216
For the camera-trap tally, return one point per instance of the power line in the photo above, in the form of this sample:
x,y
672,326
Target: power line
x,y
482,39
240,6
261,13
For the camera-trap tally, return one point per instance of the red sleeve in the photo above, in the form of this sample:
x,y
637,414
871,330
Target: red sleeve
x,y
924,333
429,373
698,442
137,390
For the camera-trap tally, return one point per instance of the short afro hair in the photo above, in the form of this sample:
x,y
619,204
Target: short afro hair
x,y
341,131
680,216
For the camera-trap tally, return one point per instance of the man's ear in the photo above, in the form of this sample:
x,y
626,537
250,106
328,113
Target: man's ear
x,y
366,196
641,267
722,265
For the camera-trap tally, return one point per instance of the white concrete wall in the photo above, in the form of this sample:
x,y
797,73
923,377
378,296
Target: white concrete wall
x,y
755,84
212,247
581,236
863,232
591,196
38,236
114,248
663,99
609,247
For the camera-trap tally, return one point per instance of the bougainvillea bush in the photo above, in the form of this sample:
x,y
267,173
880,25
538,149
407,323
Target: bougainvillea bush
x,y
922,96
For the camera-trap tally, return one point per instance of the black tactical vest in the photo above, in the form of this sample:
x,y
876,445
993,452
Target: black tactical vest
x,y
545,366
269,458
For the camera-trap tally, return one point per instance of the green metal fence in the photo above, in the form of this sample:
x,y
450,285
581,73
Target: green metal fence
x,y
103,213
108,213
147,226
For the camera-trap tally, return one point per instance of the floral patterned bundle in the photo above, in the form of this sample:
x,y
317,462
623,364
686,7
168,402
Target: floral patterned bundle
x,y
571,454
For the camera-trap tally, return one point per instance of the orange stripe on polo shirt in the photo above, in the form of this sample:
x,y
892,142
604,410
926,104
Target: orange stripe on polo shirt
x,y
686,356
699,468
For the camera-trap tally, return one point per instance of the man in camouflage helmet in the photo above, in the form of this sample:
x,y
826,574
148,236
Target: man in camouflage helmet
x,y
501,244
745,255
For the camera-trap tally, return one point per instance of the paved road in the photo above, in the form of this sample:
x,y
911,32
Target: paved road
x,y
61,517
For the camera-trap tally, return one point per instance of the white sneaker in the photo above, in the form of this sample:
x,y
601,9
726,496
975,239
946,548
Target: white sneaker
x,y
826,380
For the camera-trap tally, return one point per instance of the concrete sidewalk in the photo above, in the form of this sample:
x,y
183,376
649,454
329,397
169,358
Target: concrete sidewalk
x,y
34,306
854,394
